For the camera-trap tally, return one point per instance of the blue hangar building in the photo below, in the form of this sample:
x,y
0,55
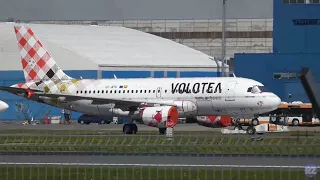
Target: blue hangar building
x,y
97,52
296,44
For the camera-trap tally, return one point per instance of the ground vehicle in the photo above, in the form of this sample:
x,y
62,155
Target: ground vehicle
x,y
295,113
87,119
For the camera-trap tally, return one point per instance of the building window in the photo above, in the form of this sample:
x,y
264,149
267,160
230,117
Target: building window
x,y
287,76
300,1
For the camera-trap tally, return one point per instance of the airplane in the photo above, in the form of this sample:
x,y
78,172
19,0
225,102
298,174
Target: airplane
x,y
3,106
156,102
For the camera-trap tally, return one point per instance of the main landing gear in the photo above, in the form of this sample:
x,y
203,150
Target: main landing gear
x,y
130,129
162,130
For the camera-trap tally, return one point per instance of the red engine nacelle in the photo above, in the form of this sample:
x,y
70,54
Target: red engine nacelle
x,y
158,116
214,121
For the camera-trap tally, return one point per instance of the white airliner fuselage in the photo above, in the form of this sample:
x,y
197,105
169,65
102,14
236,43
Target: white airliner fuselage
x,y
193,96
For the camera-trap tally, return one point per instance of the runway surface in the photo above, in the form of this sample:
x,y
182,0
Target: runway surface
x,y
141,127
258,161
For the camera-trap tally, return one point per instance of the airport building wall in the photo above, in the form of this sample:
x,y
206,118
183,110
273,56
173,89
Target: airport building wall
x,y
296,42
242,35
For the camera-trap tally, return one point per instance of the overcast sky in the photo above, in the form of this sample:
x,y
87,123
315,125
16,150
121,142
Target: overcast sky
x,y
132,9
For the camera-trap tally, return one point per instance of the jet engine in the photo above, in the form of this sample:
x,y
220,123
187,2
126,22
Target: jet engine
x,y
159,116
214,121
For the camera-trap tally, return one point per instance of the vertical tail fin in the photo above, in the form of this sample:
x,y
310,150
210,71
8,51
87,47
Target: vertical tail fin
x,y
37,63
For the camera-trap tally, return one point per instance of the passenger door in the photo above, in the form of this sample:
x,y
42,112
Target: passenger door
x,y
229,95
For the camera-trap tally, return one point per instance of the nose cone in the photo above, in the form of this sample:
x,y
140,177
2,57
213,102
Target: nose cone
x,y
274,102
3,106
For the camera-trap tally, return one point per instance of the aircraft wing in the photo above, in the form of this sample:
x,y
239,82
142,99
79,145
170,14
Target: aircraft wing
x,y
119,103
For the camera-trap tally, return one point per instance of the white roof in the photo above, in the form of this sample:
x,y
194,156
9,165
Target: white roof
x,y
79,47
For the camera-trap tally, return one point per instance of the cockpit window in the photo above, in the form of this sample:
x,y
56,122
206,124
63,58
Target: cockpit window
x,y
257,89
263,89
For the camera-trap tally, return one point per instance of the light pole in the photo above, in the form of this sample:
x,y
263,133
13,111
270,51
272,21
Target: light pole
x,y
223,41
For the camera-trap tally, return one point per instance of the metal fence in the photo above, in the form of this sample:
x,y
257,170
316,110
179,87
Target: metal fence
x,y
94,154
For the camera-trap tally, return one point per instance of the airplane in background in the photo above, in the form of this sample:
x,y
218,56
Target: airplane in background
x,y
157,102
3,106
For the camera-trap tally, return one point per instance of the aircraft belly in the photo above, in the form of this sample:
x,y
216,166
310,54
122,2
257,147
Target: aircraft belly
x,y
85,107
204,107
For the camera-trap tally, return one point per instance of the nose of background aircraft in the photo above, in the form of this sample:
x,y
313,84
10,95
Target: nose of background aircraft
x,y
3,106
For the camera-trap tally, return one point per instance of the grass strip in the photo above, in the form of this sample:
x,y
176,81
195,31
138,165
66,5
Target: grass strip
x,y
160,144
143,173
274,150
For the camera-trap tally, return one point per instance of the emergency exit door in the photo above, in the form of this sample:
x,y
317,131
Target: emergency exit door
x,y
158,93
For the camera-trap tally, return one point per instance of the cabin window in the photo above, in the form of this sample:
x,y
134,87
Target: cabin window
x,y
149,91
85,92
81,92
165,91
98,92
94,92
132,91
128,91
140,91
102,91
145,91
136,91
119,91
111,91
154,91
124,91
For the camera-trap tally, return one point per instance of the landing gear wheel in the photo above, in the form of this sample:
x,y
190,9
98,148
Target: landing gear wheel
x,y
255,122
162,130
130,129
295,122
191,120
135,128
251,130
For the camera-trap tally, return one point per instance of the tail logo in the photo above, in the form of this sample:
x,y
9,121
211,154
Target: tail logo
x,y
37,63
